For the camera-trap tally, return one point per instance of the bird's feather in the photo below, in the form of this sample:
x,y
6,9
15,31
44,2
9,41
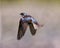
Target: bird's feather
x,y
21,30
32,29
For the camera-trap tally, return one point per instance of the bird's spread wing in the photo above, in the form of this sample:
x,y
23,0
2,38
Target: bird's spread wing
x,y
21,30
32,29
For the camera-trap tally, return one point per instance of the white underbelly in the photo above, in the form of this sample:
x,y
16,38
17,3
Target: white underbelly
x,y
35,26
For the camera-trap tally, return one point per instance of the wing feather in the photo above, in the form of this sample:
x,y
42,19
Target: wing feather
x,y
21,30
32,29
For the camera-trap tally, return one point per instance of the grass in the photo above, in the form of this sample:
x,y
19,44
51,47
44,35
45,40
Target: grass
x,y
37,1
10,1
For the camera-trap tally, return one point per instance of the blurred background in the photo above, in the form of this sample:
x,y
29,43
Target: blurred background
x,y
46,12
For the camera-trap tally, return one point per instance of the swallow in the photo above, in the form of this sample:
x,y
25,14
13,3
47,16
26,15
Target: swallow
x,y
24,22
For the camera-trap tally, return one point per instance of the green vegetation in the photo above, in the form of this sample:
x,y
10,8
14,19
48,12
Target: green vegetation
x,y
30,0
37,1
48,1
10,1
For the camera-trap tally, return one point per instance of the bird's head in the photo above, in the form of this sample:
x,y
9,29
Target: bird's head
x,y
23,14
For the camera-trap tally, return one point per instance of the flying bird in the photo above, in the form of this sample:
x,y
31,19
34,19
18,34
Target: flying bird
x,y
25,21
